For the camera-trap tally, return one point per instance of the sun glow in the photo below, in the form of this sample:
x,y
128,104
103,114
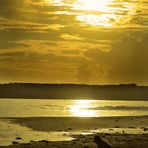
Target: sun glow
x,y
81,108
92,5
103,13
97,13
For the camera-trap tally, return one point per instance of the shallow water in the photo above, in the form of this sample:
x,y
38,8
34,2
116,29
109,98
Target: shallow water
x,y
71,108
9,131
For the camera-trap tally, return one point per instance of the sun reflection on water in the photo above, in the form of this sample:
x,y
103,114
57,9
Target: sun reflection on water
x,y
81,108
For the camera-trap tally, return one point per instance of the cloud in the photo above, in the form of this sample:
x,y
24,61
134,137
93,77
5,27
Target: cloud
x,y
36,67
47,39
12,8
84,74
126,62
70,37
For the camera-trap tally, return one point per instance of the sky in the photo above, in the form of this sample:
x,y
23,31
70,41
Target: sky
x,y
74,41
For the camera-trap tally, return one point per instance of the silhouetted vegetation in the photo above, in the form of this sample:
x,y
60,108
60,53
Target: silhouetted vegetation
x,y
73,91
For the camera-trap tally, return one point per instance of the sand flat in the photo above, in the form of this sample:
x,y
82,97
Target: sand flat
x,y
123,132
80,123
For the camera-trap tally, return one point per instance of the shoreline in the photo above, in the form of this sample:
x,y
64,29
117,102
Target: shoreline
x,y
123,132
78,123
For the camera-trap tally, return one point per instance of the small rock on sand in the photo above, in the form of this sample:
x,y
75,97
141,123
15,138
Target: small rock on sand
x,y
15,142
69,129
145,129
45,141
18,138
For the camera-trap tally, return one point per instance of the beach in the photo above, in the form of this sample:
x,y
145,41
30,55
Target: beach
x,y
123,132
116,140
73,73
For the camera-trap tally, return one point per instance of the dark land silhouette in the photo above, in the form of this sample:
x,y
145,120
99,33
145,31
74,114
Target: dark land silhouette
x,y
73,91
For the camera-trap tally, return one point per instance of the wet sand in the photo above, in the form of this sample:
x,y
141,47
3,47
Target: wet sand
x,y
118,133
79,123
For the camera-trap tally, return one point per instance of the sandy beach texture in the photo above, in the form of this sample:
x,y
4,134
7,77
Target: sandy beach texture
x,y
118,133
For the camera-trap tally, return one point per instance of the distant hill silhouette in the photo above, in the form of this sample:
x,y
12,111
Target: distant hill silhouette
x,y
74,91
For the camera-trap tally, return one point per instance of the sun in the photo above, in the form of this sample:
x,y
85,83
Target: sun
x,y
97,13
92,5
103,13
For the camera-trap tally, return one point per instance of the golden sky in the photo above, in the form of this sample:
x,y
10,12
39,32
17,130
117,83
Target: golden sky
x,y
74,41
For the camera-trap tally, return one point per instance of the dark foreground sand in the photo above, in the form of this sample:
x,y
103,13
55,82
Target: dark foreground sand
x,y
115,139
81,141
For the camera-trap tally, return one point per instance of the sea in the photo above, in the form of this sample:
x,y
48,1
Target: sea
x,y
71,108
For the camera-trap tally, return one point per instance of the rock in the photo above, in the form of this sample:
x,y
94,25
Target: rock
x,y
145,129
18,138
110,129
101,143
107,134
45,141
15,142
69,129
32,141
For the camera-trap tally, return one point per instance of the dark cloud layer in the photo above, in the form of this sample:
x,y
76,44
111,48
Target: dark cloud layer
x,y
126,62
